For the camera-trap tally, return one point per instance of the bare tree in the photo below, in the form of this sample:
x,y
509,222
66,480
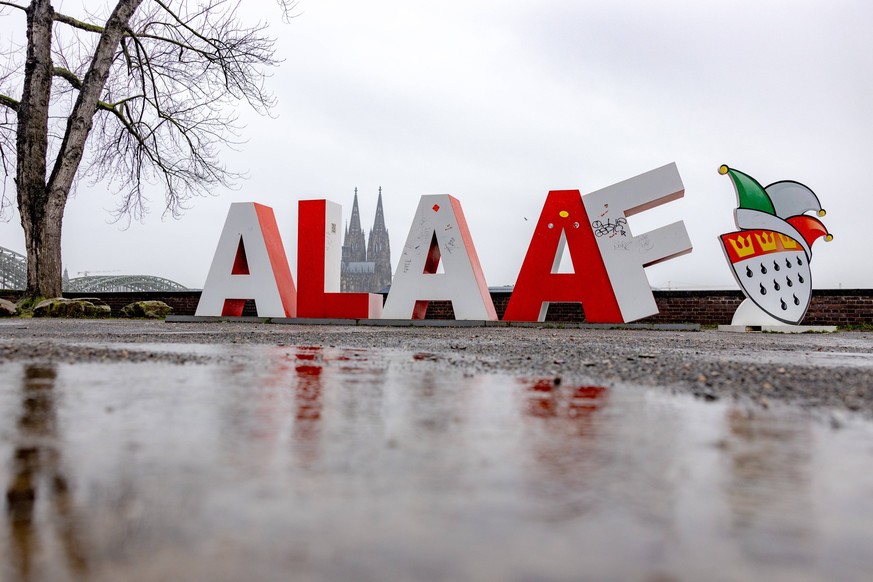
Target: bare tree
x,y
138,96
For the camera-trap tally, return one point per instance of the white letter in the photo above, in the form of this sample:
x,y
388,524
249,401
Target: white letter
x,y
249,263
439,231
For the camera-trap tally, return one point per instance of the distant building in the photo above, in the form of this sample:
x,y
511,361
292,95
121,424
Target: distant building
x,y
366,264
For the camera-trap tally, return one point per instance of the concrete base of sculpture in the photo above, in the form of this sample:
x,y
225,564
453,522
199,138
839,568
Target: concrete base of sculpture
x,y
781,328
750,317
432,323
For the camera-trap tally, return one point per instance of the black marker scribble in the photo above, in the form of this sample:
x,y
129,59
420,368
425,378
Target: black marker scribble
x,y
609,227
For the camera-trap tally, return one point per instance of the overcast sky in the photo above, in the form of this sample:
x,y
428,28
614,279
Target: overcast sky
x,y
499,102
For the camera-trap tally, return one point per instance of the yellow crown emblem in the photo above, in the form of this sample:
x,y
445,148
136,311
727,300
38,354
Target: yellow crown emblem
x,y
767,241
743,246
787,242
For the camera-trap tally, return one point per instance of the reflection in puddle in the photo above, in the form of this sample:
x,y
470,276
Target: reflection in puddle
x,y
763,461
335,464
798,358
38,482
548,400
562,438
307,395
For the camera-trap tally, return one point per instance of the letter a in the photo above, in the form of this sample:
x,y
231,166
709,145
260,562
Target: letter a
x,y
563,219
249,263
439,231
319,254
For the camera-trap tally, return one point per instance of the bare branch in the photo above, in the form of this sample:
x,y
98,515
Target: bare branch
x,y
68,76
75,23
288,7
73,145
175,74
8,125
13,5
9,102
8,132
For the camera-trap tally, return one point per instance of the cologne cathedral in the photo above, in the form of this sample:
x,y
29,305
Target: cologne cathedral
x,y
366,263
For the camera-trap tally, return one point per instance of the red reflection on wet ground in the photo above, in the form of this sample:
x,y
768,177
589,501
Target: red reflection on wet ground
x,y
564,437
585,400
308,398
546,399
308,392
542,401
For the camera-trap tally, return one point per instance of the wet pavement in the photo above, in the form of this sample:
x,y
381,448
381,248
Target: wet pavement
x,y
126,459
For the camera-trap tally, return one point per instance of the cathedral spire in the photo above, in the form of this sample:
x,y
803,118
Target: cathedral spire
x,y
355,225
379,249
355,239
379,223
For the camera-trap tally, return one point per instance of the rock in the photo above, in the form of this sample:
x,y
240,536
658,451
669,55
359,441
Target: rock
x,y
95,300
147,309
7,308
61,307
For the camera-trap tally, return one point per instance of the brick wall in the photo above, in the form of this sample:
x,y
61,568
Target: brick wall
x,y
828,306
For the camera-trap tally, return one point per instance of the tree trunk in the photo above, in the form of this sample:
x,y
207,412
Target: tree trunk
x,y
42,237
42,241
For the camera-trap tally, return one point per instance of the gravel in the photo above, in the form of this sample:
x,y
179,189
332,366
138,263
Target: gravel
x,y
821,371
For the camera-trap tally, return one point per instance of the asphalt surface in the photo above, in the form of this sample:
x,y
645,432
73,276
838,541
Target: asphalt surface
x,y
811,370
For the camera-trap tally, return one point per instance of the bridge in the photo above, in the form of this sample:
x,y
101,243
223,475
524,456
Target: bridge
x,y
13,275
13,270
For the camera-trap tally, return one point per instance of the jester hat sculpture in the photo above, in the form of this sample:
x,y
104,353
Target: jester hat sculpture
x,y
770,254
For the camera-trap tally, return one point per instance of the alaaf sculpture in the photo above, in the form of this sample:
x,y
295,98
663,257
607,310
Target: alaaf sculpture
x,y
609,261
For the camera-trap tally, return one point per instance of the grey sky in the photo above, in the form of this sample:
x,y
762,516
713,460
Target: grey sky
x,y
497,103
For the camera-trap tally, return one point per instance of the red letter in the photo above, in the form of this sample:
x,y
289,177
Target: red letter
x,y
537,284
319,250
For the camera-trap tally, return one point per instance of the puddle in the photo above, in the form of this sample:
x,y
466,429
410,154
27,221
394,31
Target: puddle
x,y
800,358
328,464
